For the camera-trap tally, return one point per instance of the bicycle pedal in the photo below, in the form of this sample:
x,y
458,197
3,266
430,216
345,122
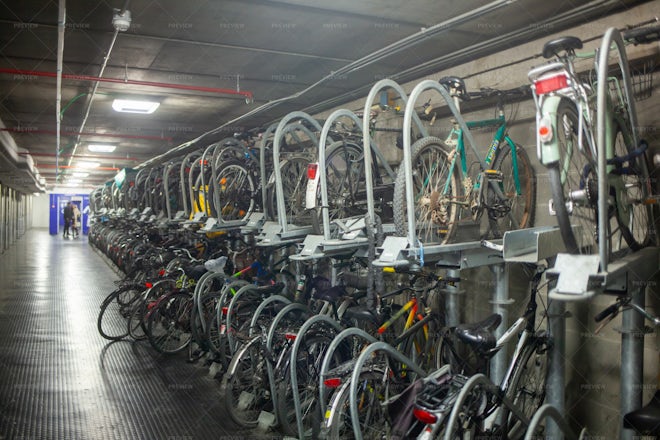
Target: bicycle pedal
x,y
495,175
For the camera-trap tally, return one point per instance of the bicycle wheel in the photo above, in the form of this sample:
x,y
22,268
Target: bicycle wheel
x,y
436,190
526,389
517,209
245,386
294,184
344,174
632,188
372,413
308,363
236,191
115,310
168,323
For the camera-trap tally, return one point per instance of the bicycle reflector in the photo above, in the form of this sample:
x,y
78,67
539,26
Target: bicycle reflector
x,y
545,129
332,382
551,84
290,336
148,285
312,168
424,416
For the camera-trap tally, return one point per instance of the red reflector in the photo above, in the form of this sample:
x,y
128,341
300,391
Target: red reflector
x,y
161,272
333,382
424,416
311,170
544,131
290,336
551,84
225,310
148,285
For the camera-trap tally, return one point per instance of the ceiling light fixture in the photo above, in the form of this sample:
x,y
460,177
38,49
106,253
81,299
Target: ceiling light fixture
x,y
80,175
73,181
135,106
101,148
85,164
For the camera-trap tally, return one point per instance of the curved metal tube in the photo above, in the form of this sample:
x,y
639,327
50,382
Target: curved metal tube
x,y
366,136
262,163
407,152
325,365
611,36
260,309
477,379
230,141
364,356
323,181
185,188
293,371
230,309
279,133
544,411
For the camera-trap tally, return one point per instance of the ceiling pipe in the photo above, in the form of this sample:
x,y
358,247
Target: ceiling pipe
x,y
72,167
61,25
396,47
244,93
87,133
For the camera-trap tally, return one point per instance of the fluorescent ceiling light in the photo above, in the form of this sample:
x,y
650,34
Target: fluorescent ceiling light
x,y
101,148
79,174
85,164
72,181
134,106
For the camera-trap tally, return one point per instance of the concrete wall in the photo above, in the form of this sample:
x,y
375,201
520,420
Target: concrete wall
x,y
592,361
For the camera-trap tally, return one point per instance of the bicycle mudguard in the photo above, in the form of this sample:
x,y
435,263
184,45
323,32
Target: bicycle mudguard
x,y
548,152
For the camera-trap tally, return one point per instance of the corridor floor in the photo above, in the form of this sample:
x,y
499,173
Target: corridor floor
x,y
59,379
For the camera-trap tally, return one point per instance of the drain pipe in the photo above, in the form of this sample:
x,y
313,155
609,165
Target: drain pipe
x,y
61,25
123,26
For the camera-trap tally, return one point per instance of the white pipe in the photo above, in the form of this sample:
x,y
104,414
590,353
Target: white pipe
x,y
61,25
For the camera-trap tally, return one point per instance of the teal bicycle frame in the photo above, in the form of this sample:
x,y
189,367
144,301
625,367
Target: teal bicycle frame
x,y
455,139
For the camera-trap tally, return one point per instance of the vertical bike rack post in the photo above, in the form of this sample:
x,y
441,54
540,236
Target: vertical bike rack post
x,y
366,136
186,188
263,178
279,134
204,160
230,141
311,322
631,344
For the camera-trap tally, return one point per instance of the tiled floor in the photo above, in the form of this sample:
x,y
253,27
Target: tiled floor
x,y
60,380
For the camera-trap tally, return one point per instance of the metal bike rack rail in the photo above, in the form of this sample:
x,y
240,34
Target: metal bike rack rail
x,y
325,365
549,411
309,324
362,359
262,306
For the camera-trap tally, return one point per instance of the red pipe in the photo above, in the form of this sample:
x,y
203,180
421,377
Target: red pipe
x,y
248,95
73,133
84,156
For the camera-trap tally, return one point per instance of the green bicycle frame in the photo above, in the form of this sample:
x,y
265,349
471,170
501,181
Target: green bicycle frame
x,y
456,137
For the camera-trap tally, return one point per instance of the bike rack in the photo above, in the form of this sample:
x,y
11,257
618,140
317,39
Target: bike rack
x,y
362,359
309,324
325,365
550,411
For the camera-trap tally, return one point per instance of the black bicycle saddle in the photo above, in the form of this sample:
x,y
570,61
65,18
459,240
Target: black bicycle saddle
x,y
645,420
480,334
456,84
552,48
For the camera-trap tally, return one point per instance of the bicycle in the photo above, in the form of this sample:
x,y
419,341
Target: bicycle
x,y
462,404
443,184
567,105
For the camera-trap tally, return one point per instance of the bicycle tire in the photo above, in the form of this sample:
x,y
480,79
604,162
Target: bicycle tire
x,y
245,387
566,176
294,184
436,218
522,207
111,322
343,183
527,385
237,191
169,328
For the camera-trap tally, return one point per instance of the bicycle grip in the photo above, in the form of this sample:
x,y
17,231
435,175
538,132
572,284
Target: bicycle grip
x,y
611,310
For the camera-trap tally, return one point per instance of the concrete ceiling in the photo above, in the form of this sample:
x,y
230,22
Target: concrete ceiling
x,y
272,49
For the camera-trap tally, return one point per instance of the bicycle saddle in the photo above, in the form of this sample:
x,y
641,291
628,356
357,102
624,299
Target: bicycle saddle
x,y
480,334
455,85
645,420
362,314
552,48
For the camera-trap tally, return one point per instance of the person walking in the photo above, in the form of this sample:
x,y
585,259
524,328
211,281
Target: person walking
x,y
76,220
68,218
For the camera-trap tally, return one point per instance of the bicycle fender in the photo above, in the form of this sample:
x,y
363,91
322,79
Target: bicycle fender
x,y
231,369
548,152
